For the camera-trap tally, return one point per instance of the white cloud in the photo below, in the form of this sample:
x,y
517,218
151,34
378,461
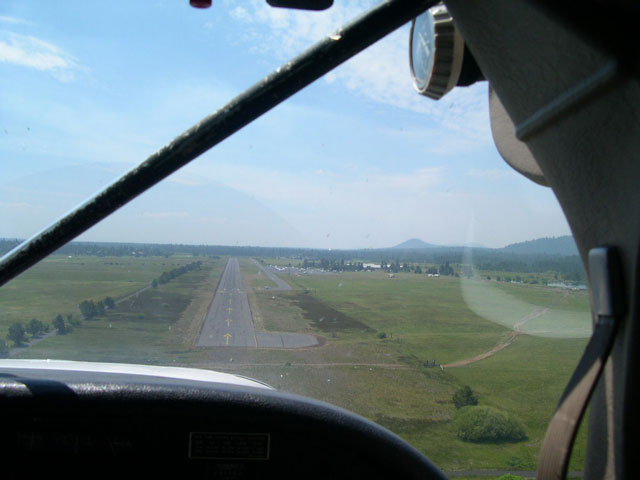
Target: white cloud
x,y
303,189
242,14
380,73
13,20
165,215
214,220
31,52
20,205
336,208
489,173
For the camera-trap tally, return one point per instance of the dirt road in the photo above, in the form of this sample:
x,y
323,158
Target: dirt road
x,y
517,330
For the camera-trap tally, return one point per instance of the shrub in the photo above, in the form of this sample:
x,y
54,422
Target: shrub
x,y
88,309
109,303
464,396
59,325
382,335
17,334
517,463
486,424
34,327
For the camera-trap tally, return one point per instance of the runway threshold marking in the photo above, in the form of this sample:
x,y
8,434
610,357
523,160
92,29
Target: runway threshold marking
x,y
227,336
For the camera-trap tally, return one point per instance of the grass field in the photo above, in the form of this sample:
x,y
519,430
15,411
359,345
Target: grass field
x,y
254,278
60,283
562,315
155,326
382,338
426,319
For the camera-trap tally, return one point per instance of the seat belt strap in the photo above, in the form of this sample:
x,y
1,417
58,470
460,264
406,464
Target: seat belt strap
x,y
606,285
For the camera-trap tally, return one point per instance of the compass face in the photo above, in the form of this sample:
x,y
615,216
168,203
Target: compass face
x,y
422,49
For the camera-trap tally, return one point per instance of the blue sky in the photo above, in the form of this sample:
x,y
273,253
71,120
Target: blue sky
x,y
358,159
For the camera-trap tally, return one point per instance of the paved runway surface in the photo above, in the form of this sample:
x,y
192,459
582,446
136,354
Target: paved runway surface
x,y
282,285
229,321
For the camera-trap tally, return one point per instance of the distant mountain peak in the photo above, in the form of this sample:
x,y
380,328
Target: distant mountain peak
x,y
414,243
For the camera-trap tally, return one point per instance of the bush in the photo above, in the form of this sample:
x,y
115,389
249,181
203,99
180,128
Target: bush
x,y
17,334
88,309
486,424
34,327
109,303
464,396
382,335
59,325
517,463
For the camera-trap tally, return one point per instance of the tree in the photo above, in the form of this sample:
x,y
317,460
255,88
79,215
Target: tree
x,y
464,396
418,269
4,350
154,284
88,309
17,334
109,303
59,325
446,269
486,424
100,308
34,327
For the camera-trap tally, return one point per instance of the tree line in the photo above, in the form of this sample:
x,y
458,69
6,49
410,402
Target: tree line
x,y
568,266
166,277
394,266
90,309
21,332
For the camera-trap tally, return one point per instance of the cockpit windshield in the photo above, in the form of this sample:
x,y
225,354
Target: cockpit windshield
x,y
359,244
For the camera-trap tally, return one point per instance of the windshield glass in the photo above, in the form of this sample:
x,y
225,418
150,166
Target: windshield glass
x,y
359,244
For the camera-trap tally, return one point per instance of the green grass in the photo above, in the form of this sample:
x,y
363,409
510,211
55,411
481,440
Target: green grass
x,y
561,314
386,380
429,320
277,312
149,327
59,283
253,277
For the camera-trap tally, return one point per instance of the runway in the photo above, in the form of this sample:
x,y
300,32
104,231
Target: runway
x,y
229,323
281,284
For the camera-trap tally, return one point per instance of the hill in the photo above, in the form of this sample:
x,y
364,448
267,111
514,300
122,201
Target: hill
x,y
564,245
414,243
